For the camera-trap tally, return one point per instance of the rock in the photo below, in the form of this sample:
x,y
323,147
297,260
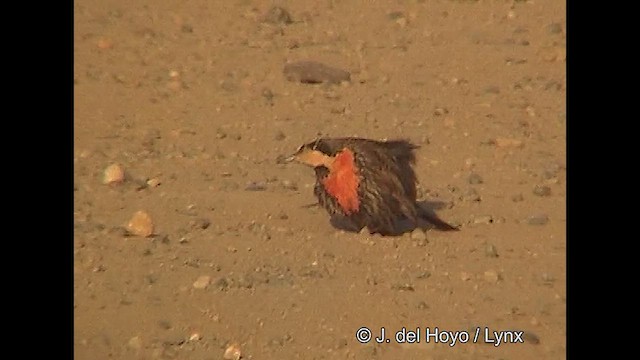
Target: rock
x,y
313,72
542,190
465,276
140,224
490,251
475,179
491,276
202,282
538,219
232,352
113,174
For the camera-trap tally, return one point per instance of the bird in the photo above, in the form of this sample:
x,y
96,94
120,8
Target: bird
x,y
367,183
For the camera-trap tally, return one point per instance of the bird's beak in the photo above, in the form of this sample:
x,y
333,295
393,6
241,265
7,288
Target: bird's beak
x,y
290,158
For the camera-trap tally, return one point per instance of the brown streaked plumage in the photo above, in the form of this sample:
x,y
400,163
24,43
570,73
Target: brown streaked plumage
x,y
366,182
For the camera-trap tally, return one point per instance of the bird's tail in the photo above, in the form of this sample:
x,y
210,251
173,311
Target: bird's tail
x,y
432,218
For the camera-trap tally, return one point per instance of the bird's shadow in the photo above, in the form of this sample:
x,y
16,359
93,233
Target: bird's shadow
x,y
403,225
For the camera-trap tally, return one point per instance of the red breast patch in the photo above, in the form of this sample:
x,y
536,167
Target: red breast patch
x,y
342,181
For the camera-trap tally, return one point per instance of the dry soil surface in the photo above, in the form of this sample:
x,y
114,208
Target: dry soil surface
x,y
190,99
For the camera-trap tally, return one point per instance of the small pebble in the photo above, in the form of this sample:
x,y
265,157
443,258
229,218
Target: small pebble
x,y
313,72
492,90
517,198
289,185
233,352
135,343
155,182
395,15
507,142
140,224
531,338
552,170
539,219
202,282
164,324
280,136
465,276
554,28
281,159
483,219
491,276
277,15
475,179
268,95
113,174
542,190
104,43
440,111
418,235
256,186
200,223
547,278
490,251
471,195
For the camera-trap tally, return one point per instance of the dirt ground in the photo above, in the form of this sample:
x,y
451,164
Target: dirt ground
x,y
189,97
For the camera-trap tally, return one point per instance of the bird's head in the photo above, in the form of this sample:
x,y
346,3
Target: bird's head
x,y
314,154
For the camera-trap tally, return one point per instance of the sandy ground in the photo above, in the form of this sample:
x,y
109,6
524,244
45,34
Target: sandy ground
x,y
191,95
